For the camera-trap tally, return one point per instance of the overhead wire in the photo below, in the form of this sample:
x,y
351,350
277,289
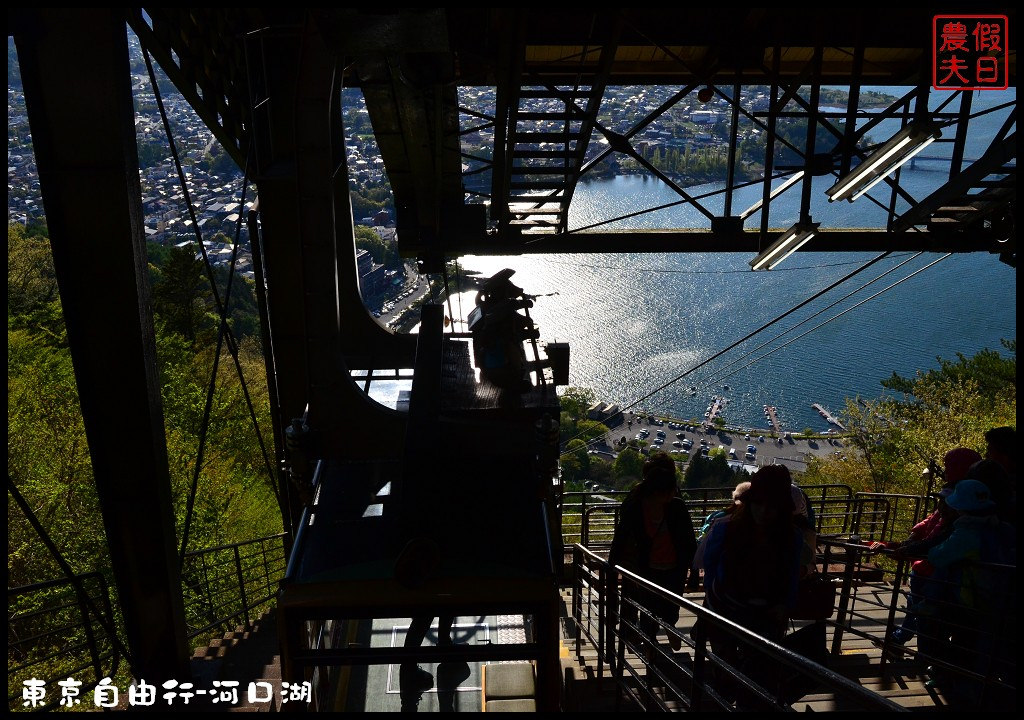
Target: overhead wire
x,y
835,317
749,335
225,336
718,378
809,318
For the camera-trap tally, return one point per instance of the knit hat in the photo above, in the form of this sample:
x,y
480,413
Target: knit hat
x,y
957,461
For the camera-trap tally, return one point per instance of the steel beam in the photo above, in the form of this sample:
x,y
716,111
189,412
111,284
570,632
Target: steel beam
x,y
75,71
705,241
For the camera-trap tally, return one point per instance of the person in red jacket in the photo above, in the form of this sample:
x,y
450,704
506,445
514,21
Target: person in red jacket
x,y
928,533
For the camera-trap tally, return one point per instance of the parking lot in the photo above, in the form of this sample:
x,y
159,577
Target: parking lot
x,y
750,447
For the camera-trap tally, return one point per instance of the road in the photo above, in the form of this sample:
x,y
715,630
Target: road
x,y
415,284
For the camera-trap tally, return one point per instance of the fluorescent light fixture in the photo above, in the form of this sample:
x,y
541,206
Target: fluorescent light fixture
x,y
906,157
787,244
902,146
792,180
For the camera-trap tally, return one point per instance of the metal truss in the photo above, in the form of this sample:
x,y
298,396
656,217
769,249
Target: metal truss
x,y
791,98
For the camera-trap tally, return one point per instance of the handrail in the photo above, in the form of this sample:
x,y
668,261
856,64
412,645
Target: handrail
x,y
230,546
54,640
225,585
959,638
614,630
898,523
298,547
702,500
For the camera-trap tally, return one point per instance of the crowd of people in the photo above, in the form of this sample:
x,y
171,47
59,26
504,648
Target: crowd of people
x,y
962,575
754,553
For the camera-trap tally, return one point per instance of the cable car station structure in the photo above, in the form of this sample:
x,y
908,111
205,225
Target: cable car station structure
x,y
439,525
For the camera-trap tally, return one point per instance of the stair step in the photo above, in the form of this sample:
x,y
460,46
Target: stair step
x,y
534,223
211,652
546,211
224,642
955,209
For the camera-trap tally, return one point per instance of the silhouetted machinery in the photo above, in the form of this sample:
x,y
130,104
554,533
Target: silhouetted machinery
x,y
499,331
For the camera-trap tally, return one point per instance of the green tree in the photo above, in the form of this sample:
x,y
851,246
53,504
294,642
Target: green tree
x,y
600,471
218,162
589,430
382,252
575,401
710,471
628,467
579,449
152,153
994,374
179,292
31,283
849,470
371,242
940,409
48,456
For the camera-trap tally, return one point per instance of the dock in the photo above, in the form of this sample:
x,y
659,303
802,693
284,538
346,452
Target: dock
x,y
829,417
771,415
717,405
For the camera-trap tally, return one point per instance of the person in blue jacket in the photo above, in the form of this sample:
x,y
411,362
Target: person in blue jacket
x,y
976,566
752,563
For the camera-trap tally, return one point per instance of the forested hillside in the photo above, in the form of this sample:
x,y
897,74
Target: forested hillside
x,y
47,452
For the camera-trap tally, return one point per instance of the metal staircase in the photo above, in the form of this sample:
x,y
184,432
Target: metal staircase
x,y
980,200
549,130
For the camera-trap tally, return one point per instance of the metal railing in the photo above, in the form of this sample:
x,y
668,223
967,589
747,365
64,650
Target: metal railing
x,y
59,629
228,585
838,512
889,516
967,648
574,507
960,626
609,613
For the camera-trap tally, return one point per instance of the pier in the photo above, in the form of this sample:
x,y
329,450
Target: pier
x,y
771,414
717,405
829,417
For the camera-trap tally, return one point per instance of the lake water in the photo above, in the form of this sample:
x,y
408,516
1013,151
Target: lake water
x,y
637,321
